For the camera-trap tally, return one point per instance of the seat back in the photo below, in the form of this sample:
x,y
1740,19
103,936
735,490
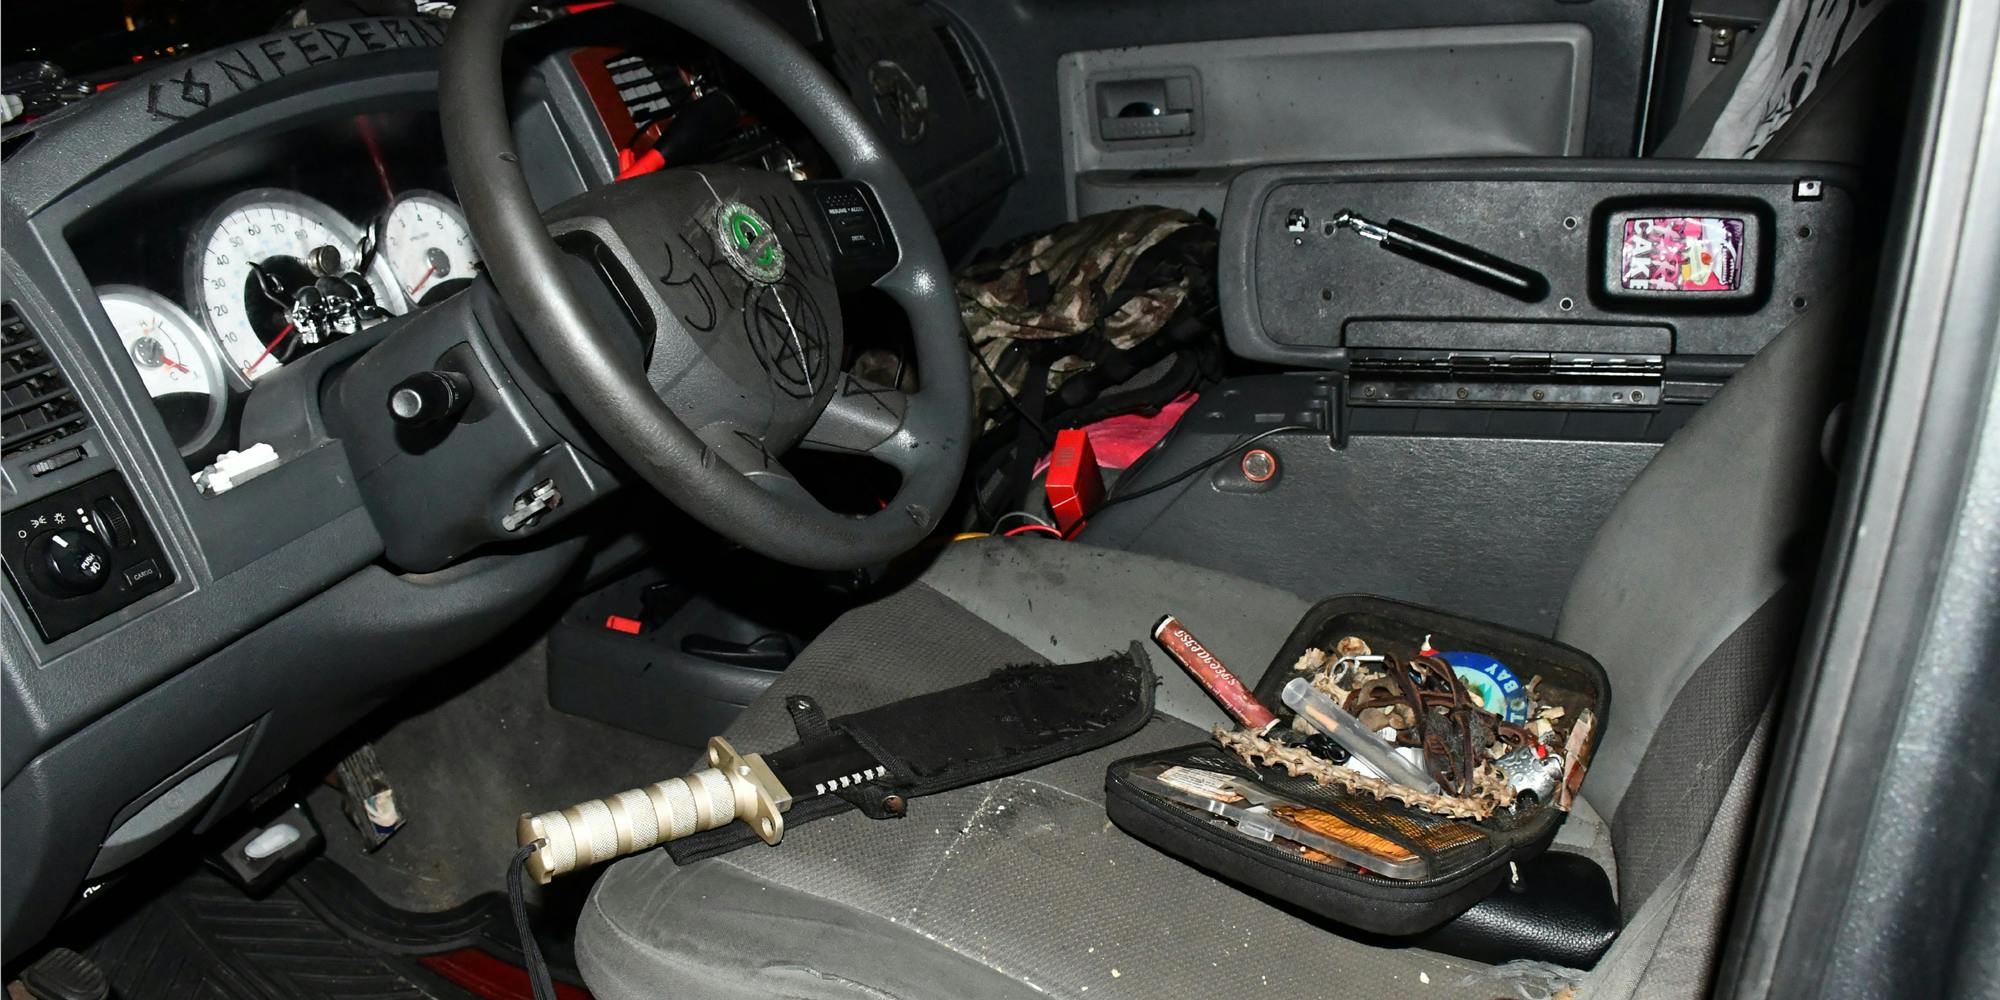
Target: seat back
x,y
1691,595
1693,591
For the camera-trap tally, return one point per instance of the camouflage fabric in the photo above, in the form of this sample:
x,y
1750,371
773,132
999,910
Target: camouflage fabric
x,y
1067,284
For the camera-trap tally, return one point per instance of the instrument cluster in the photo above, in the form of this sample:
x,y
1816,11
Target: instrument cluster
x,y
269,276
218,272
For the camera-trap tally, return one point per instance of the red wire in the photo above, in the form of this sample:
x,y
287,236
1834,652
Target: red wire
x,y
367,130
1031,527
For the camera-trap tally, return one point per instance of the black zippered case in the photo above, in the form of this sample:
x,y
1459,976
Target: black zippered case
x,y
1462,871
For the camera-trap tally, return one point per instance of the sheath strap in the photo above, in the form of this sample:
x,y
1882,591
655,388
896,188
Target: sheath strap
x,y
873,798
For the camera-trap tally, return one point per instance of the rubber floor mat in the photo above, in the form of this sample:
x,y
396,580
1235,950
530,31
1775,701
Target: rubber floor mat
x,y
204,939
320,936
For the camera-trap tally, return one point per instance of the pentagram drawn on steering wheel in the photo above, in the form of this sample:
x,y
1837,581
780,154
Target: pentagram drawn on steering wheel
x,y
788,334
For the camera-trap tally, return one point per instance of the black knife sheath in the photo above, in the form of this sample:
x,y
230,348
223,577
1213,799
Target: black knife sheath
x,y
1014,719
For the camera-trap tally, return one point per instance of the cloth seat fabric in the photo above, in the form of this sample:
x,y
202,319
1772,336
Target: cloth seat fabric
x,y
1017,887
1022,886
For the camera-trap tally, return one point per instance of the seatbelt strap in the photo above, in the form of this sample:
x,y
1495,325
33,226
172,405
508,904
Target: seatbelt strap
x,y
1670,949
1807,37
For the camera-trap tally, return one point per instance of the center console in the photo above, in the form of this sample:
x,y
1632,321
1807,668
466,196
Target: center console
x,y
1486,352
1644,262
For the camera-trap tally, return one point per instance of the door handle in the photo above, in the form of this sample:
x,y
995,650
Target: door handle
x,y
1161,125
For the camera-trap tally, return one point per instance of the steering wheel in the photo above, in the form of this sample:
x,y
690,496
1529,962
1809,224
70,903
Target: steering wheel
x,y
692,318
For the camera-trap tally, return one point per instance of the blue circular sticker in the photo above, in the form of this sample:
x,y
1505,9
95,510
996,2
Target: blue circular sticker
x,y
1489,680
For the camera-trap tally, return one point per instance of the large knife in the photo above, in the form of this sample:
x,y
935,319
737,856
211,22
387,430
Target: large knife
x,y
1014,718
755,788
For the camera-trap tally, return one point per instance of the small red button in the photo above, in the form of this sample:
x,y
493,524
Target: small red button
x,y
620,623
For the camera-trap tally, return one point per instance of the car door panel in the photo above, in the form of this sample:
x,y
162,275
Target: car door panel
x,y
1137,120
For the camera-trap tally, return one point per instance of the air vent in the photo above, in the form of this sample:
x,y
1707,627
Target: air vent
x,y
961,60
41,407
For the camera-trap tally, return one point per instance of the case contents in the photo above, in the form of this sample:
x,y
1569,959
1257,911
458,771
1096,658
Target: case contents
x,y
1502,722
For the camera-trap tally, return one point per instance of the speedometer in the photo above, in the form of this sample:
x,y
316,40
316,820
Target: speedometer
x,y
273,275
176,360
426,244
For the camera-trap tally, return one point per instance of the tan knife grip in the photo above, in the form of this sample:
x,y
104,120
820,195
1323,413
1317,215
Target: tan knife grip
x,y
633,820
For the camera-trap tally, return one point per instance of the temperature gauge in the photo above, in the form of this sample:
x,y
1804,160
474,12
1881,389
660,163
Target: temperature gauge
x,y
427,245
176,359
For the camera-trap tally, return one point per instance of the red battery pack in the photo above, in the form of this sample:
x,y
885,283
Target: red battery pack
x,y
1075,485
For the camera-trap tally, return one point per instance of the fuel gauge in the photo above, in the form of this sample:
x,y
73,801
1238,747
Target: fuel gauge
x,y
176,360
427,245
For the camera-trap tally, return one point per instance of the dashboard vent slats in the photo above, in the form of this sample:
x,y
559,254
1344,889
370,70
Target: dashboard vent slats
x,y
961,61
41,407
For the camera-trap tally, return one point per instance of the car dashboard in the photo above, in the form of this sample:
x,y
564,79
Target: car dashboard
x,y
216,276
197,595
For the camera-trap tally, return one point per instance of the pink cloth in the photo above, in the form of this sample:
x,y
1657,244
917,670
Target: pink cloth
x,y
1119,441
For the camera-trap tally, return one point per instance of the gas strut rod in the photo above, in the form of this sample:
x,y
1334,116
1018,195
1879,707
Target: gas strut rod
x,y
1450,256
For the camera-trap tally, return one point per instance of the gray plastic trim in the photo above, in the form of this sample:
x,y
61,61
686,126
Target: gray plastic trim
x,y
1499,90
274,612
168,807
296,681
1024,40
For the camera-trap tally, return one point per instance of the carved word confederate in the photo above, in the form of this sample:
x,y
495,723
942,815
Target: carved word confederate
x,y
225,73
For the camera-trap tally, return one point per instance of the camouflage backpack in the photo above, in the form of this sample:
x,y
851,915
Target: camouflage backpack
x,y
1113,313
1062,320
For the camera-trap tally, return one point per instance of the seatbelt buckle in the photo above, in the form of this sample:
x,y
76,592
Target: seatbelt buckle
x,y
1075,484
1727,21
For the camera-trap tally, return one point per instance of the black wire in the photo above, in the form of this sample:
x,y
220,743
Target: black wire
x,y
531,950
1039,427
1197,467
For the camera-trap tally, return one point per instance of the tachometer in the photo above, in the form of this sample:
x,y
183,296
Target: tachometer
x,y
426,244
272,273
177,362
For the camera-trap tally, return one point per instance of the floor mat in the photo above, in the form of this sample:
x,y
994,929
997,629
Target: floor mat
x,y
426,910
320,935
465,768
204,939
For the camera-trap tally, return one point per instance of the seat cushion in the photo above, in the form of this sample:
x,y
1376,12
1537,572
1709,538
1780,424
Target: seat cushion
x,y
1074,602
1010,888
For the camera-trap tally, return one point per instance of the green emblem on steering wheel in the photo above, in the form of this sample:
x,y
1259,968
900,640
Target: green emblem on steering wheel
x,y
749,242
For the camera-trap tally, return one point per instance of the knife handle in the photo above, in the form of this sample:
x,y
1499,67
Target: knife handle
x,y
734,787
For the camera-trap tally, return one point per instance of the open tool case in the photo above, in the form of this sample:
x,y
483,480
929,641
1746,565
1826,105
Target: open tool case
x,y
1461,861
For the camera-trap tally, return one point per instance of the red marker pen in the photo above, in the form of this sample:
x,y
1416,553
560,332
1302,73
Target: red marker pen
x,y
1214,678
